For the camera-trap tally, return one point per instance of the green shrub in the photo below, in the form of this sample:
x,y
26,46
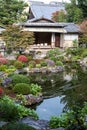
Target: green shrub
x,y
56,122
38,65
3,67
53,53
35,89
17,126
84,54
18,64
19,78
22,88
53,58
59,63
11,62
43,63
30,58
32,64
10,111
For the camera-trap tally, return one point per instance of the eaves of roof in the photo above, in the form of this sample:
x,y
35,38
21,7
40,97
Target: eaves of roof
x,y
43,24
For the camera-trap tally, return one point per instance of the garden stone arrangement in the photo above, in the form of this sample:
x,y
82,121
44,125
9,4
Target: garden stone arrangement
x,y
17,91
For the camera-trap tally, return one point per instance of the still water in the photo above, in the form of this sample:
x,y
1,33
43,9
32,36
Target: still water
x,y
61,90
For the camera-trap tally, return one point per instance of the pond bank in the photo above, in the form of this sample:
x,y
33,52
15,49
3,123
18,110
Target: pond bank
x,y
38,124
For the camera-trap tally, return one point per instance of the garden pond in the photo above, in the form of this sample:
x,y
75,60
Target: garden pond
x,y
61,90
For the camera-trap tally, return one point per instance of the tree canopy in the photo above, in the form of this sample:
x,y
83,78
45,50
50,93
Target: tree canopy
x,y
11,11
15,37
76,11
82,4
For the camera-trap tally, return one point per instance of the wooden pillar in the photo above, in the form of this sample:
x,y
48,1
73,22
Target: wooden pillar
x,y
53,40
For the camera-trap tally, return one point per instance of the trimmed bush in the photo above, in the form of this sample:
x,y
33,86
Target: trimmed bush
x,y
22,88
18,64
59,63
3,61
3,67
17,126
32,64
43,63
9,111
19,78
23,58
38,65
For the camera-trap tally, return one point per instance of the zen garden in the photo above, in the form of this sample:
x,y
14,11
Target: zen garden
x,y
43,79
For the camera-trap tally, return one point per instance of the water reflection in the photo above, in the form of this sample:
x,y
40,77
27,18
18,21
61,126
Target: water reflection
x,y
62,90
49,107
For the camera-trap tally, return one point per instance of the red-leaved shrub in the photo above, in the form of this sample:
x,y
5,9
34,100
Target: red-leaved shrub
x,y
1,91
3,61
22,58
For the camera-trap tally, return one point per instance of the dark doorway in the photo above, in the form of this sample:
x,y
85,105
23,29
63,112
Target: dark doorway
x,y
42,37
57,40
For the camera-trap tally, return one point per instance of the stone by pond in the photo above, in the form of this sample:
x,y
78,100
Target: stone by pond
x,y
38,124
45,69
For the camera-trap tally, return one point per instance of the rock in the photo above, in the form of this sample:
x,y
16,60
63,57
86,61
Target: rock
x,y
31,99
59,68
50,63
38,124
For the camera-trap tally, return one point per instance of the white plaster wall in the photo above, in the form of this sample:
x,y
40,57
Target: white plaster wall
x,y
67,40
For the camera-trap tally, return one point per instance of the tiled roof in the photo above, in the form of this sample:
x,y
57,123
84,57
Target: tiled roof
x,y
35,24
69,27
45,10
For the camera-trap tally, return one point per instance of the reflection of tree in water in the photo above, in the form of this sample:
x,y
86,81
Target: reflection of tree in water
x,y
50,83
76,90
72,92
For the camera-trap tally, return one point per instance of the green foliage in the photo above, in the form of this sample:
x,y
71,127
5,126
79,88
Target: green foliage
x,y
84,54
62,16
74,51
60,121
59,16
17,126
22,88
11,12
72,119
43,63
35,89
3,67
59,63
83,40
32,64
75,43
15,38
53,58
76,127
54,52
38,65
10,111
18,64
21,98
30,58
82,4
74,13
18,78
